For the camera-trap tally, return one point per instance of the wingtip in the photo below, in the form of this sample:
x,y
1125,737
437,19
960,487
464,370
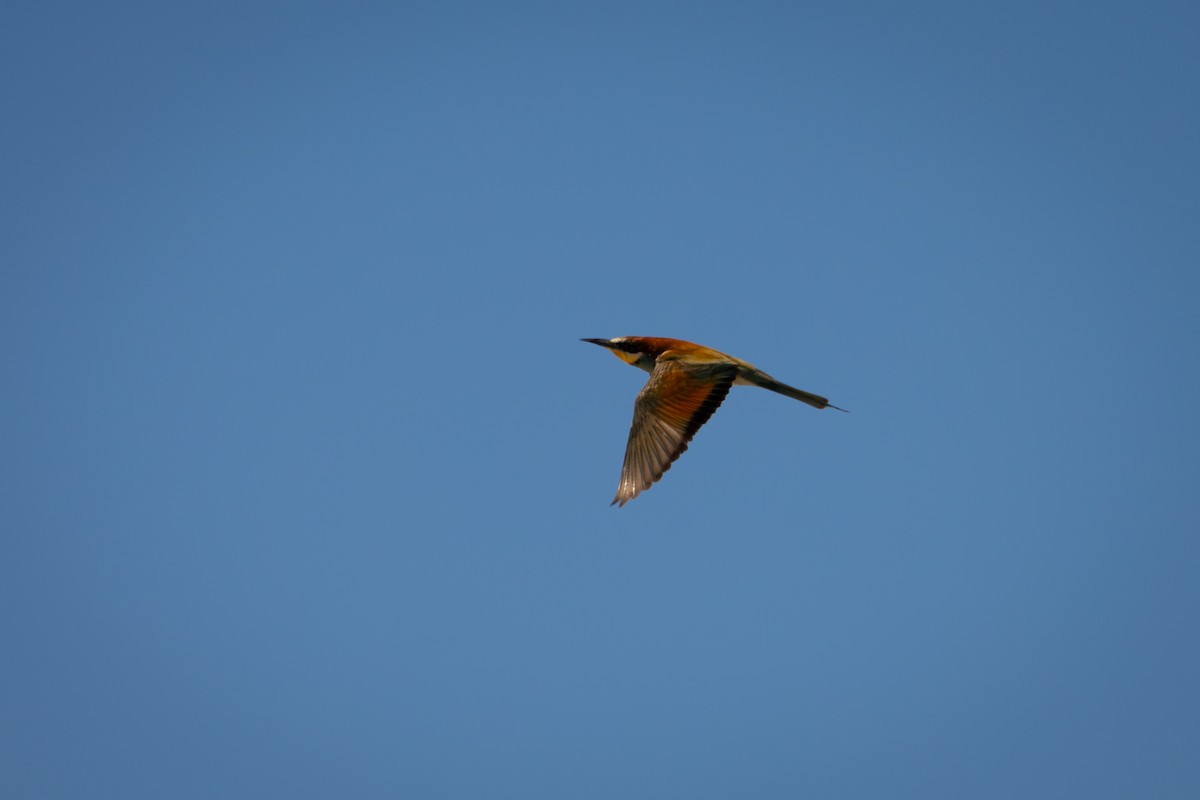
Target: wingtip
x,y
622,498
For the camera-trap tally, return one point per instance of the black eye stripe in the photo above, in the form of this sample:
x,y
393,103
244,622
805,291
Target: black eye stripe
x,y
628,347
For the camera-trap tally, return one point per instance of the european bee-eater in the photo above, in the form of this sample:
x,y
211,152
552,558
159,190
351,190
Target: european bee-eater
x,y
687,384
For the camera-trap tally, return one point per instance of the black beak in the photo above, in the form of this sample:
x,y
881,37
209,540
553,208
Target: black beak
x,y
601,342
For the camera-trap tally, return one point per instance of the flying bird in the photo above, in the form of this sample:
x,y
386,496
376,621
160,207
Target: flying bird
x,y
687,384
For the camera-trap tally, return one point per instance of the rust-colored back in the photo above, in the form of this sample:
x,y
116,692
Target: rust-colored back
x,y
657,345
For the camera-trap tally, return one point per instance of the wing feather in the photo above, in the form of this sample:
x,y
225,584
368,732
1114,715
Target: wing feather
x,y
674,403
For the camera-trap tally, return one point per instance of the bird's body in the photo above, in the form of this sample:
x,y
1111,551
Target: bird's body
x,y
687,384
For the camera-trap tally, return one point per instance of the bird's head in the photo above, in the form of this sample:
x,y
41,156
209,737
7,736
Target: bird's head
x,y
635,350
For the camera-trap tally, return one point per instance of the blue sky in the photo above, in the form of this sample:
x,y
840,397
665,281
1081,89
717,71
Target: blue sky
x,y
305,474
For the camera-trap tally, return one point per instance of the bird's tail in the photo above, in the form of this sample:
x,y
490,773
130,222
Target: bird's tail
x,y
767,382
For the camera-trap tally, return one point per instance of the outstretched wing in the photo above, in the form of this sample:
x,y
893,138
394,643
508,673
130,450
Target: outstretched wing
x,y
671,407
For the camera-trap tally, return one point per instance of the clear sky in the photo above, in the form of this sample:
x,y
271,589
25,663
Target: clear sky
x,y
305,474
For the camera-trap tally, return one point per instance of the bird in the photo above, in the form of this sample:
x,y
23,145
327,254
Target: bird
x,y
687,384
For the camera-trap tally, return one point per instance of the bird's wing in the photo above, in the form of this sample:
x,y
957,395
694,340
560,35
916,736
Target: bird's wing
x,y
674,403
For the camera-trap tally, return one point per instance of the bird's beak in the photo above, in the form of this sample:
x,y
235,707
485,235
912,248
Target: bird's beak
x,y
601,342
